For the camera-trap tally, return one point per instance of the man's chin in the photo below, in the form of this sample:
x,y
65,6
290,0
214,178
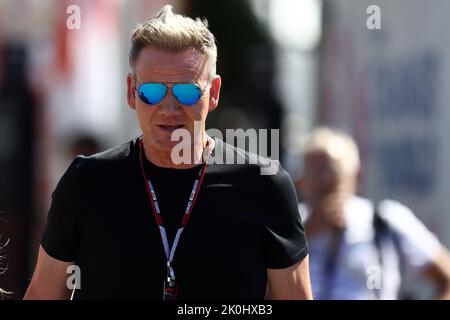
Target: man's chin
x,y
166,144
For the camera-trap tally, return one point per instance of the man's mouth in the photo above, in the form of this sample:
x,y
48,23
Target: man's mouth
x,y
170,128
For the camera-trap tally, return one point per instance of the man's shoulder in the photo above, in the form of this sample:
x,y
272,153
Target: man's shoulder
x,y
400,219
249,172
243,162
102,162
397,215
117,153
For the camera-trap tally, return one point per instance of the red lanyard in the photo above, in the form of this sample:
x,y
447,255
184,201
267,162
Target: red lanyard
x,y
169,284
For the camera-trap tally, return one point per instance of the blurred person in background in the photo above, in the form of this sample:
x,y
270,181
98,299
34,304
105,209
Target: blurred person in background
x,y
122,215
360,249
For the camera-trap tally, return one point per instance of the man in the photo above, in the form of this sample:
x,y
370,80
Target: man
x,y
360,250
141,224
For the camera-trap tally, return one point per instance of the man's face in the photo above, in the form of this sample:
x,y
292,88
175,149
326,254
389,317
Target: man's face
x,y
320,177
325,188
158,122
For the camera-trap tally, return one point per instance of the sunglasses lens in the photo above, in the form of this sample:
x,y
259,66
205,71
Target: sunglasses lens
x,y
186,93
152,93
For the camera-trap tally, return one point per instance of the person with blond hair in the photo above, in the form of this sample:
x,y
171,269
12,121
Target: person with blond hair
x,y
136,222
360,249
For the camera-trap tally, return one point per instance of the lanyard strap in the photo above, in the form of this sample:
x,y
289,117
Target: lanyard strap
x,y
170,251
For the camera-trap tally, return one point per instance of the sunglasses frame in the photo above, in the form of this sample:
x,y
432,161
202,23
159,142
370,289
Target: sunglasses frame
x,y
169,86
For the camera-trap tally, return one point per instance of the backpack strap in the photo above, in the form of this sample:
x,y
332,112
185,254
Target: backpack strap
x,y
384,231
379,227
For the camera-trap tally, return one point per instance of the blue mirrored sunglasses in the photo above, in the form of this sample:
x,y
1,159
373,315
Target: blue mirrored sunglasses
x,y
187,94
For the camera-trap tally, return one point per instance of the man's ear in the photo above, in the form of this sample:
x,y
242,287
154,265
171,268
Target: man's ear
x,y
131,89
214,92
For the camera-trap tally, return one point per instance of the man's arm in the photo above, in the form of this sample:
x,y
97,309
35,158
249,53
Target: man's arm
x,y
438,271
290,283
49,279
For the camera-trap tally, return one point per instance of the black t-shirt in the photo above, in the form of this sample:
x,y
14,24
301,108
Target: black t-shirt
x,y
243,222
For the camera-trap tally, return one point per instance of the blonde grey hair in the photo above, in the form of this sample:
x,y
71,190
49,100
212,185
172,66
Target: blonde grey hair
x,y
174,33
338,145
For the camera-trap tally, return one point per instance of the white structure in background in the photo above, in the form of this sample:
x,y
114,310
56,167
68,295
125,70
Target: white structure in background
x,y
296,27
90,100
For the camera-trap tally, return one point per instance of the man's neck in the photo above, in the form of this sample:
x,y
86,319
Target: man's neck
x,y
163,158
320,221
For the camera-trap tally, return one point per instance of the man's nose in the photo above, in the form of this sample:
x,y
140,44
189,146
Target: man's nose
x,y
170,106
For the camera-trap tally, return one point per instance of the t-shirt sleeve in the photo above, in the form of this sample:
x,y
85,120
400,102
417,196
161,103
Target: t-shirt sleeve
x,y
60,238
286,240
419,245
